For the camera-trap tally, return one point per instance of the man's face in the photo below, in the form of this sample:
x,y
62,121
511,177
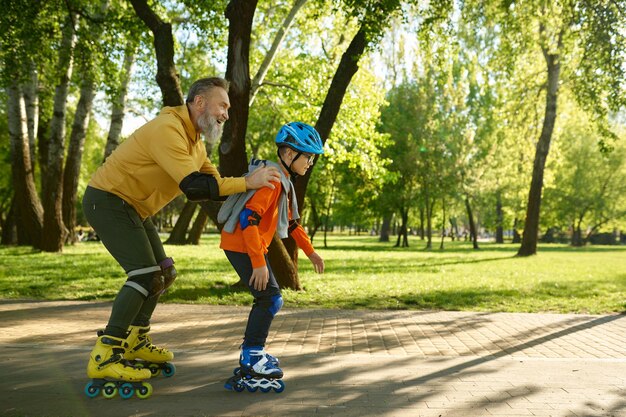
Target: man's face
x,y
213,107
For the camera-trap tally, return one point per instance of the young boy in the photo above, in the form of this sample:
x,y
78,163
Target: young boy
x,y
251,219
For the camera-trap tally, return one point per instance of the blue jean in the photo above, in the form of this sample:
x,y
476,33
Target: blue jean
x,y
261,315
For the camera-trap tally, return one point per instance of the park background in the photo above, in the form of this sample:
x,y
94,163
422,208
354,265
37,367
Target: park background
x,y
475,155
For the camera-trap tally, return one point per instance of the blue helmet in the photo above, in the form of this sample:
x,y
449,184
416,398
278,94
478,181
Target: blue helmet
x,y
300,137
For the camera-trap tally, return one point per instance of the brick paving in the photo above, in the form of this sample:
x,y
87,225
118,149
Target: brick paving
x,y
336,362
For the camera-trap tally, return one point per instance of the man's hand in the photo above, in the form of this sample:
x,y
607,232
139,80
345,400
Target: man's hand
x,y
260,277
262,177
318,262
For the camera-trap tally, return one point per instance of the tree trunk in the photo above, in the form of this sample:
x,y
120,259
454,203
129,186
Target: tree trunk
x,y
385,228
119,101
269,57
422,230
577,236
531,225
429,222
517,238
31,99
348,66
167,76
9,232
202,218
403,240
54,231
443,222
179,232
27,206
233,160
283,271
499,219
71,174
472,224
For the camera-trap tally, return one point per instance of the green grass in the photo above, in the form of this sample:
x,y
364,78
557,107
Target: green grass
x,y
360,273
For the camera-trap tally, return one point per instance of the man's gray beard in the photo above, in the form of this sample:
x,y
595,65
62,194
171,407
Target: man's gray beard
x,y
211,130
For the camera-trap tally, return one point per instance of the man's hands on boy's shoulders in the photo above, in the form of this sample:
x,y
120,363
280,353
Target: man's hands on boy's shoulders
x,y
262,177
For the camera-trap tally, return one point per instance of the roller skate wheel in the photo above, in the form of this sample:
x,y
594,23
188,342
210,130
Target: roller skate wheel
x,y
281,388
91,390
154,369
236,370
144,391
251,389
266,389
109,390
127,391
168,370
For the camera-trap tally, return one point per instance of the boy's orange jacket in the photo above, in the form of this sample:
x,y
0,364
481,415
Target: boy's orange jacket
x,y
255,240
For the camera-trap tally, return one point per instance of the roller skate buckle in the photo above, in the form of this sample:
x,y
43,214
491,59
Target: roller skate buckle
x,y
167,369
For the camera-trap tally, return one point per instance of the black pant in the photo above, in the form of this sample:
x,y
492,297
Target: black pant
x,y
135,244
261,316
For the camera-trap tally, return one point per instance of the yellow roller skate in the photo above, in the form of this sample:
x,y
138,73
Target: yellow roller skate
x,y
143,354
110,373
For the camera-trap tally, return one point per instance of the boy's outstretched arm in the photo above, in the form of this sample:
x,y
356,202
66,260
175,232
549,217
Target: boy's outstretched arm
x,y
318,262
303,242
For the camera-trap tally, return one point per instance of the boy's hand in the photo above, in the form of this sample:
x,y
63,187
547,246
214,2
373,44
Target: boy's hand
x,y
262,177
318,262
260,277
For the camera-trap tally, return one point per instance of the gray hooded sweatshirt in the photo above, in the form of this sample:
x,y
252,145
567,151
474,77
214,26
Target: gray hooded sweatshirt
x,y
235,203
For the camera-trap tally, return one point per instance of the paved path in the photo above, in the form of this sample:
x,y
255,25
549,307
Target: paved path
x,y
336,362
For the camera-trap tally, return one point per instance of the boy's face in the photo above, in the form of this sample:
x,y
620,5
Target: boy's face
x,y
301,165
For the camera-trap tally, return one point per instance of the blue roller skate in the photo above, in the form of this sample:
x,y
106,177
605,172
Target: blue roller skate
x,y
256,371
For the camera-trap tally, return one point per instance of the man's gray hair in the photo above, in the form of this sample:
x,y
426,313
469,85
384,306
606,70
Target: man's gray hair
x,y
204,85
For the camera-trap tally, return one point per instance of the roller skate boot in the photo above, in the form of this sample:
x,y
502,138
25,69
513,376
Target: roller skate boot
x,y
256,371
143,354
110,373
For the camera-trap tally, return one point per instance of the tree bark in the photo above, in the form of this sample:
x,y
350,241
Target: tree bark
x,y
179,232
31,99
71,174
119,101
470,216
499,219
385,228
202,218
429,220
517,238
9,232
531,225
27,206
443,222
54,231
167,76
283,271
240,13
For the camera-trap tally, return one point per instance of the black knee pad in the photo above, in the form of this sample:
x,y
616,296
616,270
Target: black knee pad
x,y
271,303
148,281
169,272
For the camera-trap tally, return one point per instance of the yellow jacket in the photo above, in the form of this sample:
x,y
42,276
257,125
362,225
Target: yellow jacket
x,y
146,169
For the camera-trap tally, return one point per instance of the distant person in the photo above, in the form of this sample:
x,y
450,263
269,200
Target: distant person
x,y
161,160
251,220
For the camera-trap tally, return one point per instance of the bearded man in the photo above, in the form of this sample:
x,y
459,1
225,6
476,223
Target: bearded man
x,y
161,160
